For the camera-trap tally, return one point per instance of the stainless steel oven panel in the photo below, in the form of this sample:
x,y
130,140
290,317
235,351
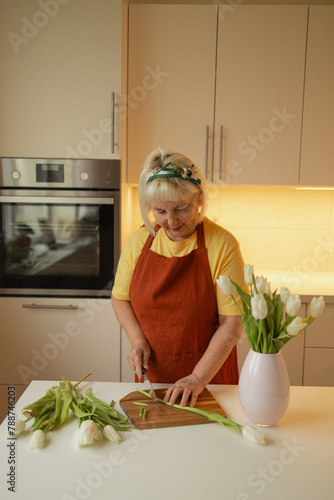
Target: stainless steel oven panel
x,y
56,193
57,200
78,173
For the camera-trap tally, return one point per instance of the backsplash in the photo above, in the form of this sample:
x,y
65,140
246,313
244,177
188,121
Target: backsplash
x,y
286,233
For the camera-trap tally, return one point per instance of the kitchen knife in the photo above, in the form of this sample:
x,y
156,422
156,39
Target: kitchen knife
x,y
152,391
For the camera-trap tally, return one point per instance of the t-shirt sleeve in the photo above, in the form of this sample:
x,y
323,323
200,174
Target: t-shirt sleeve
x,y
127,263
225,258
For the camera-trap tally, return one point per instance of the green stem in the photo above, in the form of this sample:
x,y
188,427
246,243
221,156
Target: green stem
x,y
236,303
83,378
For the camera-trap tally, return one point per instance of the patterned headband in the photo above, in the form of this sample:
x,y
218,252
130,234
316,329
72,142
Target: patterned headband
x,y
174,171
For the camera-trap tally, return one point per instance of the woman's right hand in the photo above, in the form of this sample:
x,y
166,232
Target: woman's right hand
x,y
139,355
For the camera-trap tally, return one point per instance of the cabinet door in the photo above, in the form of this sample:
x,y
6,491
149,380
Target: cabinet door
x,y
319,367
319,350
260,77
317,142
47,344
60,63
321,332
170,81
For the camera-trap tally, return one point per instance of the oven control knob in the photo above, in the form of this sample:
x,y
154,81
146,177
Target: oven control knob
x,y
84,176
16,175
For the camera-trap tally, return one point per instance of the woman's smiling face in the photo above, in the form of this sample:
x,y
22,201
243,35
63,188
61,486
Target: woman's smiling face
x,y
178,219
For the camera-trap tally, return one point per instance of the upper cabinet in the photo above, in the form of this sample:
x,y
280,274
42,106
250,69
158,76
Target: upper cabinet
x,y
171,81
221,85
60,78
259,91
318,130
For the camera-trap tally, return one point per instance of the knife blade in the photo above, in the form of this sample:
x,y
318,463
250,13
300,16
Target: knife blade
x,y
152,391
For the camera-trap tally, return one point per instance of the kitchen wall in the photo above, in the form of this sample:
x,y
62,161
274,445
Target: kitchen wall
x,y
286,233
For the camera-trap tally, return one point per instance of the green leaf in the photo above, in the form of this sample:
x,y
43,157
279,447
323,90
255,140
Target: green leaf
x,y
78,412
245,298
279,314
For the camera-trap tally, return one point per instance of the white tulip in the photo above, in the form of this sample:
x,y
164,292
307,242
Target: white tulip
x,y
285,295
248,274
316,307
37,439
293,305
110,433
85,434
19,427
295,326
254,435
267,289
260,283
259,306
225,285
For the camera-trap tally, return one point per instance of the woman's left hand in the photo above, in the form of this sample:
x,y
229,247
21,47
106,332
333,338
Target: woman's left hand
x,y
190,387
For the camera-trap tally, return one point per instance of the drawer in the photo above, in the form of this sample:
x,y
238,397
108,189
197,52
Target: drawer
x,y
321,332
319,367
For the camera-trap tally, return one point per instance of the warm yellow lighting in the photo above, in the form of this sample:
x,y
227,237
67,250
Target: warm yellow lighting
x,y
316,188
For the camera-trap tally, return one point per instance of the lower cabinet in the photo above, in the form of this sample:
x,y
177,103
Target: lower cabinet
x,y
46,339
319,350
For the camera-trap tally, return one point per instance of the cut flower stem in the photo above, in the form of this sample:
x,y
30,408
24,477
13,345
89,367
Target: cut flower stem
x,y
256,436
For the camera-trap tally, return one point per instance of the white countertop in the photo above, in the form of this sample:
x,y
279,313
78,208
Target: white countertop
x,y
197,462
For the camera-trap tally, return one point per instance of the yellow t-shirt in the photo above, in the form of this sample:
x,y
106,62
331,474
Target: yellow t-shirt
x,y
223,254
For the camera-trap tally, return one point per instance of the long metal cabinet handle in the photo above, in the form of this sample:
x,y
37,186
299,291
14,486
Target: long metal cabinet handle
x,y
221,152
112,122
48,306
207,151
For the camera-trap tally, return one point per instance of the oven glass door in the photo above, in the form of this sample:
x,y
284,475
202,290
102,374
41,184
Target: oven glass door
x,y
57,248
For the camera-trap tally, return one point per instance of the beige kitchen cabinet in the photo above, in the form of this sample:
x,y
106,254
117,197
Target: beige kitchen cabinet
x,y
259,91
241,127
61,337
319,350
317,151
60,78
171,71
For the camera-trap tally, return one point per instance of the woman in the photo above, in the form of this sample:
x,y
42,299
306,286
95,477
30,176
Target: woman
x,y
179,324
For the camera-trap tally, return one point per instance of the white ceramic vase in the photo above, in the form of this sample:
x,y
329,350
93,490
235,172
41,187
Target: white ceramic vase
x,y
264,388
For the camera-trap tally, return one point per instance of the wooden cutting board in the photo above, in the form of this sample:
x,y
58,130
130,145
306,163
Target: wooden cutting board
x,y
162,415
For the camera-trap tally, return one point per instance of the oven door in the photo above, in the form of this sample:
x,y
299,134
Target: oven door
x,y
58,245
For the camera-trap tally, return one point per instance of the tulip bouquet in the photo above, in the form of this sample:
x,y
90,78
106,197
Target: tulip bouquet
x,y
96,419
270,319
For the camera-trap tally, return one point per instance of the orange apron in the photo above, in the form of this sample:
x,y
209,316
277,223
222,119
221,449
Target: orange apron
x,y
175,303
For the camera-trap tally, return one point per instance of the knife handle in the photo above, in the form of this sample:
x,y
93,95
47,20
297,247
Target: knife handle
x,y
143,371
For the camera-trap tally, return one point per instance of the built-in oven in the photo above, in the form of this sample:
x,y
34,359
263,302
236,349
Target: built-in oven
x,y
59,226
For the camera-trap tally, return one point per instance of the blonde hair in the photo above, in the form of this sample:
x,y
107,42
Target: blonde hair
x,y
168,189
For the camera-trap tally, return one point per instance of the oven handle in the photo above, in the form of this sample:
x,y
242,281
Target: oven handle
x,y
61,200
49,306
